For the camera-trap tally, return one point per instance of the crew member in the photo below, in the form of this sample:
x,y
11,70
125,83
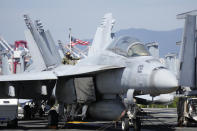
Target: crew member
x,y
68,59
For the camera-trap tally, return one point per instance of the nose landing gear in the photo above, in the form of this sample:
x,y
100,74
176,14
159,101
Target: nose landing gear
x,y
132,114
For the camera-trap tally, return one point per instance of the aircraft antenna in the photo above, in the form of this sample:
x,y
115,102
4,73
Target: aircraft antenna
x,y
70,46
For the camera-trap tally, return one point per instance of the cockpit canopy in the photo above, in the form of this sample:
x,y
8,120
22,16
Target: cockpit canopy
x,y
128,47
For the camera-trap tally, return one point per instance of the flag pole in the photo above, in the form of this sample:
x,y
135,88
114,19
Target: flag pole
x,y
70,40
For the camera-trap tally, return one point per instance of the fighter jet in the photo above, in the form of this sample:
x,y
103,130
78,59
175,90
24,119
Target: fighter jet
x,y
116,70
30,84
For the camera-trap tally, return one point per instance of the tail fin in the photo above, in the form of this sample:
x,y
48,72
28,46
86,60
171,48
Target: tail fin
x,y
47,56
38,60
172,62
46,35
5,65
188,53
103,36
61,50
22,65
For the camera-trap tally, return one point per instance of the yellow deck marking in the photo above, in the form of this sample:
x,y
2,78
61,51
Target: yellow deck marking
x,y
76,122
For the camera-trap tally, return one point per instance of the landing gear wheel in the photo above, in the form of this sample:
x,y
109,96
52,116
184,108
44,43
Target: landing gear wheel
x,y
13,123
125,124
41,112
137,124
53,119
186,122
180,121
27,112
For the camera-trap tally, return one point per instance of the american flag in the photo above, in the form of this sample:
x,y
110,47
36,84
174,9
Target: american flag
x,y
75,41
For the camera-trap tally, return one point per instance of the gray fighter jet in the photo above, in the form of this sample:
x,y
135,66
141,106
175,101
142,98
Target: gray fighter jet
x,y
117,69
103,85
30,84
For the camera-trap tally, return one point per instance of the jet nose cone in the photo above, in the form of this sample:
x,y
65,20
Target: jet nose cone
x,y
164,81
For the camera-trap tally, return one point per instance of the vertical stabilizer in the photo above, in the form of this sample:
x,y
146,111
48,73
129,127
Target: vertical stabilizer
x,y
171,62
47,56
22,64
38,60
52,46
5,65
62,50
187,55
103,36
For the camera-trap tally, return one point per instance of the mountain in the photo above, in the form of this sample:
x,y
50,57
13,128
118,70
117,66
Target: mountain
x,y
166,39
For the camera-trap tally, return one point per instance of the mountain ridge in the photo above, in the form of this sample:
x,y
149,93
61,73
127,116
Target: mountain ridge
x,y
166,39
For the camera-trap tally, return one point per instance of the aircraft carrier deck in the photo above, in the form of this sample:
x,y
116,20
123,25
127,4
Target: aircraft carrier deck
x,y
156,119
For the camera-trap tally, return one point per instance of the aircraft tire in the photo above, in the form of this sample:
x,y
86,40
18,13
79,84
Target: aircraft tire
x,y
125,124
180,121
137,124
186,122
41,112
53,119
13,123
27,112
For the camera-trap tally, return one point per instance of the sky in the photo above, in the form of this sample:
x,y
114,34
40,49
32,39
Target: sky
x,y
83,16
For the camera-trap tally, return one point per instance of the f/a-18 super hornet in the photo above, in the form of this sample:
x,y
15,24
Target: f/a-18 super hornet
x,y
30,84
103,86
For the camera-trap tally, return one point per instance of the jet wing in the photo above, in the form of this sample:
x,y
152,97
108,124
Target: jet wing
x,y
80,70
59,72
29,76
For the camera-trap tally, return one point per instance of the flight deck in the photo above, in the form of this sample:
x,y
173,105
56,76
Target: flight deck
x,y
161,119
